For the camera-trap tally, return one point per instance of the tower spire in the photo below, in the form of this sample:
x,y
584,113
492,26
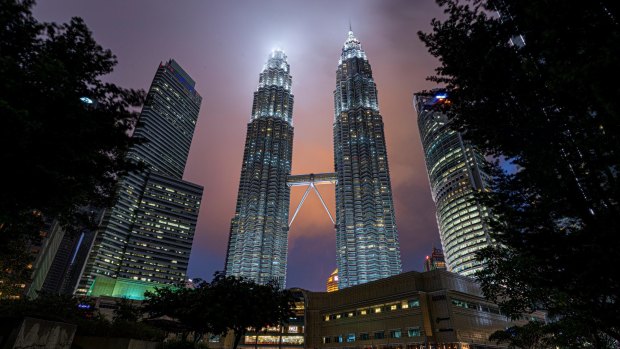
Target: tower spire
x,y
350,25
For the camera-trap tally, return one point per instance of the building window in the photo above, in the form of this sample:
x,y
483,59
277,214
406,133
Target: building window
x,y
338,339
394,307
413,332
379,335
377,310
396,333
326,340
326,317
350,337
363,312
364,337
414,303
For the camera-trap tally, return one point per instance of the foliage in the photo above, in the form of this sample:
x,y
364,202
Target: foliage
x,y
549,108
48,306
58,153
226,304
127,311
187,306
244,304
529,336
80,311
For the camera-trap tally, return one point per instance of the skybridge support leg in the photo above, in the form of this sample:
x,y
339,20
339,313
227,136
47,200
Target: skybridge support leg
x,y
299,206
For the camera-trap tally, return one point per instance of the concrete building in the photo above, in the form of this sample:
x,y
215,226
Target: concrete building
x,y
332,282
435,261
436,309
412,310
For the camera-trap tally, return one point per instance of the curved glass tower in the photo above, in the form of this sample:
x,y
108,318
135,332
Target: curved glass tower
x,y
258,241
455,172
366,236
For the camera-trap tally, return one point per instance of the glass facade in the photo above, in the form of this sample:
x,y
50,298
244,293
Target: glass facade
x,y
258,240
456,173
366,235
147,235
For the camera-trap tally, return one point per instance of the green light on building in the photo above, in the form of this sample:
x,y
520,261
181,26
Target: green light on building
x,y
122,288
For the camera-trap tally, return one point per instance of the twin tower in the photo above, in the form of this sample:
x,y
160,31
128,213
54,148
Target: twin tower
x,y
366,234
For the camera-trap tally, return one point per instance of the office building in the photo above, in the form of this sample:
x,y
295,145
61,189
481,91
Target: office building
x,y
258,240
332,282
367,244
412,310
147,235
435,309
435,260
456,171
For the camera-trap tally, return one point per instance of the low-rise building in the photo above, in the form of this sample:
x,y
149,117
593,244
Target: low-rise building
x,y
434,309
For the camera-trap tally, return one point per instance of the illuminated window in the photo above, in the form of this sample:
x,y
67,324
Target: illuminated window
x,y
363,312
377,310
350,337
393,307
396,333
413,332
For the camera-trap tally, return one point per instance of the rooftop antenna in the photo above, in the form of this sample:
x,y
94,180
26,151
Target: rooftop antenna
x,y
350,25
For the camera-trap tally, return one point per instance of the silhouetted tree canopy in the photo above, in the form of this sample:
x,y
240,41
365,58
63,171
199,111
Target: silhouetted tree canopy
x,y
536,82
226,304
59,150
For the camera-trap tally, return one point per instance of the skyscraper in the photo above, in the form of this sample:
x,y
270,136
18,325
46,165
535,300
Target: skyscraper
x,y
366,236
456,172
435,261
332,282
147,235
258,241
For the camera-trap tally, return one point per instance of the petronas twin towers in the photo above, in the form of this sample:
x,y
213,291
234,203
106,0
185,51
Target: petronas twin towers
x,y
366,234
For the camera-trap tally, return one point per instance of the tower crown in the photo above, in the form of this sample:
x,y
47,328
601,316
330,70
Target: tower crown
x,y
273,97
352,48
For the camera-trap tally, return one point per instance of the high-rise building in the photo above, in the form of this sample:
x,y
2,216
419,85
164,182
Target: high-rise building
x,y
147,235
366,236
456,171
258,241
435,261
332,282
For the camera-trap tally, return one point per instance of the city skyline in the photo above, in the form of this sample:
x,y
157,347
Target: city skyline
x,y
224,49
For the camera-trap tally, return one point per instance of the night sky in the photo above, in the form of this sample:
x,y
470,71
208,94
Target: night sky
x,y
223,46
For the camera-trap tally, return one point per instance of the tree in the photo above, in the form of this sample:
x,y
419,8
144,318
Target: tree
x,y
548,107
228,303
127,311
239,304
63,132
